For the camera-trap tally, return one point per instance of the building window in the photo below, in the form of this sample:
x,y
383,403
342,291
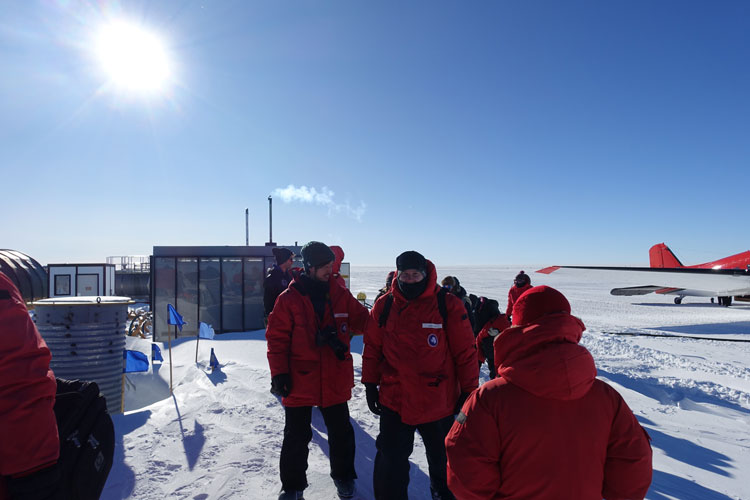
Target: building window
x,y
62,284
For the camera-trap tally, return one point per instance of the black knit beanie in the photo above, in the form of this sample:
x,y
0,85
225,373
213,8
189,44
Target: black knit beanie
x,y
522,279
411,260
282,254
316,254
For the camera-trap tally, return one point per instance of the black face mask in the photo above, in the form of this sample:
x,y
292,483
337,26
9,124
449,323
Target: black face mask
x,y
412,290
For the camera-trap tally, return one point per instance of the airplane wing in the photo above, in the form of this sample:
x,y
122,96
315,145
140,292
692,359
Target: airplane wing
x,y
643,290
673,281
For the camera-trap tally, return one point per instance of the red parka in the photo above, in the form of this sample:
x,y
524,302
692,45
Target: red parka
x,y
28,431
338,253
546,428
500,323
421,364
513,295
319,378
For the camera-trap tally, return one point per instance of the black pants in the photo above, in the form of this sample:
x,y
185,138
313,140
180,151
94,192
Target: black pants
x,y
297,436
395,444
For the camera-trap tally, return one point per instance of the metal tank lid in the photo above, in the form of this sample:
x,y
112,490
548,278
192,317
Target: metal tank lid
x,y
84,301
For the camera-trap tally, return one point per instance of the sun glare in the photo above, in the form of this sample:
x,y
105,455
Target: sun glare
x,y
133,58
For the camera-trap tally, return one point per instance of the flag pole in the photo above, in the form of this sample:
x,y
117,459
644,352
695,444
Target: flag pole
x,y
170,357
122,396
196,348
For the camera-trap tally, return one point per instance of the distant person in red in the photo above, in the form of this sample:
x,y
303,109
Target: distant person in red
x,y
521,283
338,253
546,428
490,322
29,445
308,337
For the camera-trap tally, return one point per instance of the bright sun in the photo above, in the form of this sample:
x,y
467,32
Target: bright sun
x,y
133,58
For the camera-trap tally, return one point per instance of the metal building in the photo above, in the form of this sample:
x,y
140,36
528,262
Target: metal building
x,y
26,273
218,285
81,280
132,276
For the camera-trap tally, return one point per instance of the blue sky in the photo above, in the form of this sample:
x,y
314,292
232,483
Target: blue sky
x,y
486,132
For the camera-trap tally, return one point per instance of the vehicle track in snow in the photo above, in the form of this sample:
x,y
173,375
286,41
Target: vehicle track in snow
x,y
644,364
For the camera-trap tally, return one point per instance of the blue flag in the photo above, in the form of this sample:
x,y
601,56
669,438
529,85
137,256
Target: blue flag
x,y
206,331
174,317
135,361
156,353
213,363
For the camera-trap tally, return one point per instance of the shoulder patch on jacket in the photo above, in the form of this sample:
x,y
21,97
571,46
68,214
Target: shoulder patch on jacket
x,y
4,295
461,417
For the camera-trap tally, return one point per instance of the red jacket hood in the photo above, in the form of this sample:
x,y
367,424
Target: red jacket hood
x,y
545,359
338,254
429,291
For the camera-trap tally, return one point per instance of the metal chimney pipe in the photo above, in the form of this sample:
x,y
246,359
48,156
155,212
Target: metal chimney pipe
x,y
270,219
247,227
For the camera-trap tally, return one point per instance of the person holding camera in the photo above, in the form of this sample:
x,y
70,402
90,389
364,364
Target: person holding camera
x,y
29,445
308,337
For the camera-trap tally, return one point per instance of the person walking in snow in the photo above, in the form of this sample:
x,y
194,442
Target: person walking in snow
x,y
277,278
490,322
387,287
29,446
452,284
308,337
521,283
419,364
546,427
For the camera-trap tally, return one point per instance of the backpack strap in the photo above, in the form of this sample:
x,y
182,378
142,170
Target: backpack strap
x,y
383,318
441,304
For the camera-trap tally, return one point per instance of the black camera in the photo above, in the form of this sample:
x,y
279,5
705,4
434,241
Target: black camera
x,y
328,336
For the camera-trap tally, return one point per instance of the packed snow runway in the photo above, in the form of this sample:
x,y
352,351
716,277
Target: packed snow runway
x,y
219,436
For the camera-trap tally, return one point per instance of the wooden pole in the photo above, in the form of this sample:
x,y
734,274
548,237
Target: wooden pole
x,y
170,357
122,396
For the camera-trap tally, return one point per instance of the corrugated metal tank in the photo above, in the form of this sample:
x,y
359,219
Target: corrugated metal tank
x,y
87,338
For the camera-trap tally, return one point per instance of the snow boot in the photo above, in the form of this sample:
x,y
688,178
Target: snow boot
x,y
291,495
345,488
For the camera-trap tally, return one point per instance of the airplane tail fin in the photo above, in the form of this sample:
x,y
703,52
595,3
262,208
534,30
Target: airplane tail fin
x,y
661,256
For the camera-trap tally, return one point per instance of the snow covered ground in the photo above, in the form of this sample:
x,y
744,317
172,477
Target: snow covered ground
x,y
219,435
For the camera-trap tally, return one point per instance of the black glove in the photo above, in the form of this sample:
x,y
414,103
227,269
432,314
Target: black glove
x,y
281,384
460,403
41,485
373,398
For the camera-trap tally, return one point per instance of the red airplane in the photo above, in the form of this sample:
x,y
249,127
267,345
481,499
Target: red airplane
x,y
724,278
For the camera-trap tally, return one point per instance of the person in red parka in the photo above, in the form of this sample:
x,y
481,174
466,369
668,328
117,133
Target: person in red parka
x,y
425,363
491,323
308,337
29,445
338,254
521,283
546,428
